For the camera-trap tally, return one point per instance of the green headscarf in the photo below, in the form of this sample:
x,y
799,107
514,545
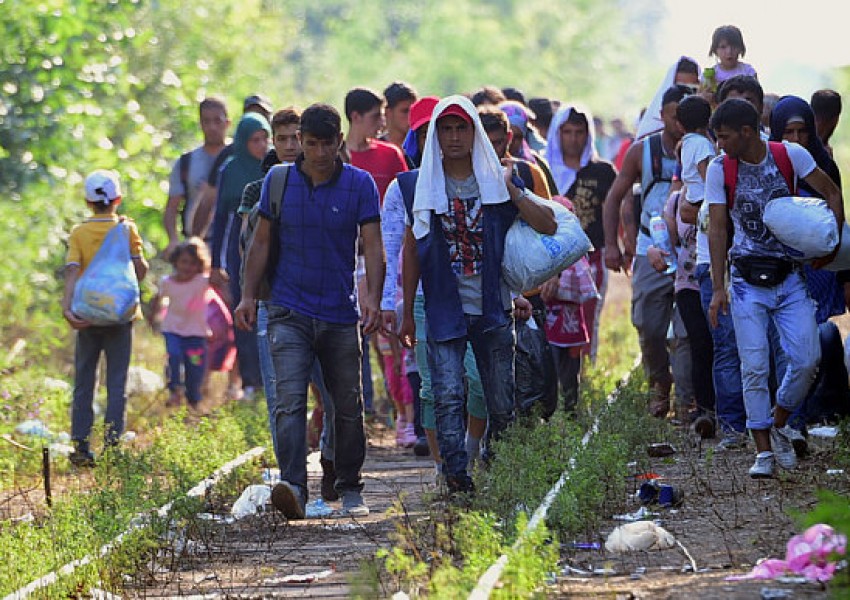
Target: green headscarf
x,y
242,168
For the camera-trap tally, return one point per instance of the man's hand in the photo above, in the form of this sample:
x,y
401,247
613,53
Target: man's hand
x,y
407,332
245,315
522,308
370,315
389,323
613,258
73,320
657,258
719,302
549,289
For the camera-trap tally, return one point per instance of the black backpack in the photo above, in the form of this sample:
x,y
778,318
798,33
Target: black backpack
x,y
277,179
656,154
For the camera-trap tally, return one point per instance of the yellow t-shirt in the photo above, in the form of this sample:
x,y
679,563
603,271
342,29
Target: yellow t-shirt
x,y
87,237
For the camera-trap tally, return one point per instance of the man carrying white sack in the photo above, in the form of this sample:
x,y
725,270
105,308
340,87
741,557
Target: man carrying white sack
x,y
765,283
462,206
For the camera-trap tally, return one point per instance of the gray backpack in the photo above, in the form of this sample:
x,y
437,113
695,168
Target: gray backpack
x,y
277,177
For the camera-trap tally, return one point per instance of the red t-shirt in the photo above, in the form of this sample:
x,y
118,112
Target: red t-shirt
x,y
383,161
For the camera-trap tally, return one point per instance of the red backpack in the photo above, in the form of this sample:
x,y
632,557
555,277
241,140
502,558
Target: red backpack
x,y
780,157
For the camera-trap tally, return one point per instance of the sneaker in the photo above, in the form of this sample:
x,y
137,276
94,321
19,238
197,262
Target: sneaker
x,y
764,466
783,449
421,448
329,493
801,446
408,436
732,440
81,458
353,505
289,500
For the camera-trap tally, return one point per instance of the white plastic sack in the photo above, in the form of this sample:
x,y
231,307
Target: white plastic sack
x,y
805,226
108,291
252,499
532,258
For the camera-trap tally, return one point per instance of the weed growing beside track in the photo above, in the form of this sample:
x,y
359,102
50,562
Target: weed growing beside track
x,y
128,482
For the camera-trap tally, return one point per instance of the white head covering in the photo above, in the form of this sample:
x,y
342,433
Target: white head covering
x,y
651,120
565,176
431,183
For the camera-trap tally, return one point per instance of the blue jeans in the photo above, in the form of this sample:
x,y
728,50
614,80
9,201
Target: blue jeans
x,y
296,341
728,389
494,353
475,404
270,383
187,355
116,342
790,308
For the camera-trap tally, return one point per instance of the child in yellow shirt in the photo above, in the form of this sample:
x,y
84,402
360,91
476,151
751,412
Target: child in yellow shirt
x,y
103,194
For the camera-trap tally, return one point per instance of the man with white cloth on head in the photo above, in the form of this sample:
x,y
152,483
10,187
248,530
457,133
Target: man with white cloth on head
x,y
463,203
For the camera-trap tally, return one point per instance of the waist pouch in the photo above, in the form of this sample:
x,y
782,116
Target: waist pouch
x,y
763,271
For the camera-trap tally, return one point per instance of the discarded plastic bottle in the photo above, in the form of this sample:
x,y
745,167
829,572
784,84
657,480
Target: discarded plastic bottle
x,y
661,238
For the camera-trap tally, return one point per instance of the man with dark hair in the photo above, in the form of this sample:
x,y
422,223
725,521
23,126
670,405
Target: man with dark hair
x,y
512,93
313,311
826,105
285,123
398,97
651,161
585,179
765,284
498,129
459,209
745,87
189,175
543,110
488,94
364,111
202,220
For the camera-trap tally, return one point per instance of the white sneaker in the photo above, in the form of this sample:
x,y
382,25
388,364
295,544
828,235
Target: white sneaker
x,y
353,505
783,449
764,466
798,440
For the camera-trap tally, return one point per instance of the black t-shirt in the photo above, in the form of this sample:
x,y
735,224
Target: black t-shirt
x,y
588,194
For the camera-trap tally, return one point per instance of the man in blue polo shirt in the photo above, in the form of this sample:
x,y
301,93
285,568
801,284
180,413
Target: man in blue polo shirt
x,y
313,311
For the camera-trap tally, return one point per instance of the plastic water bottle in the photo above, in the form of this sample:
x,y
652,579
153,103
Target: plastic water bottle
x,y
661,238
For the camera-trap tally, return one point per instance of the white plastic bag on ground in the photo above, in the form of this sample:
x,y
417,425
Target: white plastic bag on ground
x,y
805,225
641,535
251,500
143,381
532,258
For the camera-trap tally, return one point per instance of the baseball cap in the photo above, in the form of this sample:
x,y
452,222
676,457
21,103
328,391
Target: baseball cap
x,y
420,111
102,186
258,100
456,110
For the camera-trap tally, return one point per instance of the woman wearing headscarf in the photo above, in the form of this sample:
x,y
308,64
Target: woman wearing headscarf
x,y
250,144
793,120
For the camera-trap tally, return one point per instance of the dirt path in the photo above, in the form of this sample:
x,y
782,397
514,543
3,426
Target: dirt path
x,y
727,522
251,557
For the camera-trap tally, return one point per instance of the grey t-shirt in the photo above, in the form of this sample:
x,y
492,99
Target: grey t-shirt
x,y
464,233
756,186
200,163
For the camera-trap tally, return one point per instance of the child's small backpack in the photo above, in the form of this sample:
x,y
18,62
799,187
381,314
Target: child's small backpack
x,y
278,177
108,291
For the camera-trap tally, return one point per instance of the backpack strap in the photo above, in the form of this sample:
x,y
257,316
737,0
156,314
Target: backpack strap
x,y
780,157
656,158
183,164
278,179
783,162
730,179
